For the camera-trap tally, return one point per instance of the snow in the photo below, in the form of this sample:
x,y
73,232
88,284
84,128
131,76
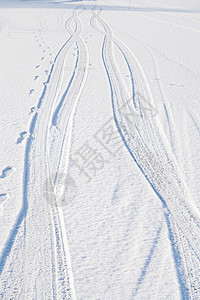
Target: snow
x,y
99,156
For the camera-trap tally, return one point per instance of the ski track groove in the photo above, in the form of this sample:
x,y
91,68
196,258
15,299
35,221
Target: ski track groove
x,y
62,248
64,286
60,115
66,109
171,190
60,259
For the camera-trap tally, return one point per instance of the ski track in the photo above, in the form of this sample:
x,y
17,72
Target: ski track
x,y
63,119
59,112
163,55
158,164
50,133
63,273
65,109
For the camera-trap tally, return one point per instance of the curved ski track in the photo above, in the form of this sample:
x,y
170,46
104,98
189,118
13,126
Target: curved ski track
x,y
37,252
147,144
39,235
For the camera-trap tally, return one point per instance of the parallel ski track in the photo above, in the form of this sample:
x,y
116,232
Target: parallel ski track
x,y
62,118
51,249
58,124
152,154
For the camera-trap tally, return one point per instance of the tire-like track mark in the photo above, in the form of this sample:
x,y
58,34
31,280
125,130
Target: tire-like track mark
x,y
148,146
61,261
62,118
46,267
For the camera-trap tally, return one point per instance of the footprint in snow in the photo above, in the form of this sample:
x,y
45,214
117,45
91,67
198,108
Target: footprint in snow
x,y
37,66
42,58
36,77
33,109
31,91
47,71
6,172
23,135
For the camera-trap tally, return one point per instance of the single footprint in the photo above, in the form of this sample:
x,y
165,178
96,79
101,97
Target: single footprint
x,y
47,71
37,66
6,172
42,58
44,51
33,109
31,91
36,77
51,62
23,134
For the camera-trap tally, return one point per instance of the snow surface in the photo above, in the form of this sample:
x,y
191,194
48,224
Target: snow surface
x,y
100,151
